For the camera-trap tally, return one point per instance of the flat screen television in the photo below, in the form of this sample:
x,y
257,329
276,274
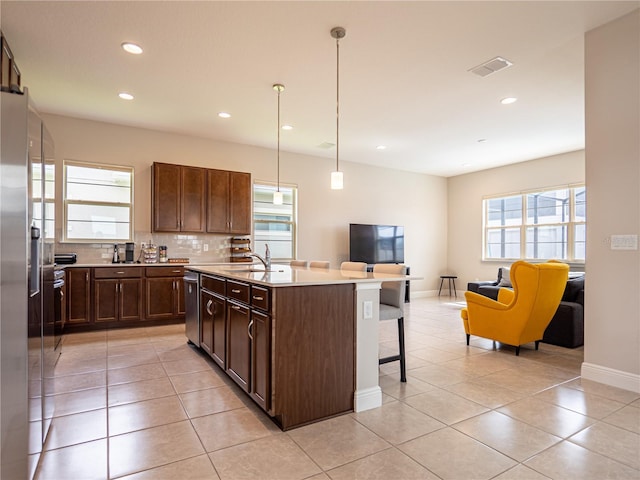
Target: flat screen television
x,y
376,243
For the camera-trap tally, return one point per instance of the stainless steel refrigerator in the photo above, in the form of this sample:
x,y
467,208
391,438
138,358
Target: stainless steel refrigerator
x,y
29,347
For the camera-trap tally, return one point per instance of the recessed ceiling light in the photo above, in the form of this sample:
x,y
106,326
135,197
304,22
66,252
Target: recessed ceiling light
x,y
125,96
224,115
381,147
508,100
287,127
132,48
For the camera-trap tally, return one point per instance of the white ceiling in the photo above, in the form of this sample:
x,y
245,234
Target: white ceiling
x,y
404,79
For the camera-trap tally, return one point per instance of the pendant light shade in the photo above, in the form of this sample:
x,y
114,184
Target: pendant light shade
x,y
277,195
336,180
336,177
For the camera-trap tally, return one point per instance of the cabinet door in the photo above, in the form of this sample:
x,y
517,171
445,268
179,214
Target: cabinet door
x,y
193,201
159,297
106,299
181,308
78,295
130,306
217,201
166,197
240,203
206,321
261,359
238,344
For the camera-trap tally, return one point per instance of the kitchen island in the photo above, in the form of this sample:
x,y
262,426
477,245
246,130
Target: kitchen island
x,y
302,342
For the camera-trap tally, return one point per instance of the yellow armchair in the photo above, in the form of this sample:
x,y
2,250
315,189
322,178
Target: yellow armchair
x,y
520,315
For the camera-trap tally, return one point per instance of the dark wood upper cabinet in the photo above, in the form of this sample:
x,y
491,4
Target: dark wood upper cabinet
x,y
179,198
240,203
193,205
193,199
229,202
218,200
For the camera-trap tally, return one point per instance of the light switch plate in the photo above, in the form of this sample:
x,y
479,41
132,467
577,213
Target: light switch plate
x,y
624,242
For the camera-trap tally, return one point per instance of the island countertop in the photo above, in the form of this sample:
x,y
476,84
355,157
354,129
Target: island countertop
x,y
286,276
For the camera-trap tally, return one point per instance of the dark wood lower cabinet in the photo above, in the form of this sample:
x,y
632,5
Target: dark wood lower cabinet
x,y
260,328
213,326
118,300
78,290
124,295
292,349
238,344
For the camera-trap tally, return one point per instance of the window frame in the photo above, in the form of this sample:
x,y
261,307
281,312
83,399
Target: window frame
x,y
571,224
66,202
293,223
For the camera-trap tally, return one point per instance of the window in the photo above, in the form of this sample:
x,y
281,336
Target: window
x,y
98,202
542,225
274,225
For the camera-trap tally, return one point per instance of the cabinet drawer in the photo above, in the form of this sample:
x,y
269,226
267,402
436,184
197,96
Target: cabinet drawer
x,y
238,291
260,297
117,272
213,284
164,271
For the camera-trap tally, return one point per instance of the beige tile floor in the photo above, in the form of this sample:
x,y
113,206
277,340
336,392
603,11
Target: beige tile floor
x,y
142,404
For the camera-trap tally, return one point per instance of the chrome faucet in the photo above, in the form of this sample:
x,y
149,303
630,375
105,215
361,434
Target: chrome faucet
x,y
266,261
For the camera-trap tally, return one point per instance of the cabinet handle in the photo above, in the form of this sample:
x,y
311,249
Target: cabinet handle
x,y
209,307
189,288
86,277
249,329
235,291
120,273
175,271
235,307
258,298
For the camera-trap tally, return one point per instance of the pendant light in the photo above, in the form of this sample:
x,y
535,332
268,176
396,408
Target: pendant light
x,y
336,177
277,195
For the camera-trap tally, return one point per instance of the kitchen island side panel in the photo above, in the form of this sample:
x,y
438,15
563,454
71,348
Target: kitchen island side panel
x,y
313,353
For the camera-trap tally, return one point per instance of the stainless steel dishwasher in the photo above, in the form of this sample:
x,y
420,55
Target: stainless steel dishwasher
x,y
192,306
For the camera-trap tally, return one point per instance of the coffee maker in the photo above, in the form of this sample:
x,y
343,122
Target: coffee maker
x,y
128,252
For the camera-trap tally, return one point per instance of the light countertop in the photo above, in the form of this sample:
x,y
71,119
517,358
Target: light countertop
x,y
285,275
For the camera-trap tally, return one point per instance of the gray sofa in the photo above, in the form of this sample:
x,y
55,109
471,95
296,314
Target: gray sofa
x,y
566,328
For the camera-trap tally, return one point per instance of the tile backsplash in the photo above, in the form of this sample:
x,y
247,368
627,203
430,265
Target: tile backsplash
x,y
203,248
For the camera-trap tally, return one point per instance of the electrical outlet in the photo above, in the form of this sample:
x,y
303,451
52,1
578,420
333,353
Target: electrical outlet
x,y
367,309
205,247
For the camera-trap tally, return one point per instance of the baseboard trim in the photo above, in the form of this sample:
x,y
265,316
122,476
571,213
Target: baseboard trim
x,y
367,398
612,377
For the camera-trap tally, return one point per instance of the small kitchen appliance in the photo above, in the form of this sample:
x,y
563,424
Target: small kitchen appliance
x,y
128,252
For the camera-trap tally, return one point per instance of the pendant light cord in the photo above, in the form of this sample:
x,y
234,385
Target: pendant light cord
x,y
337,104
278,169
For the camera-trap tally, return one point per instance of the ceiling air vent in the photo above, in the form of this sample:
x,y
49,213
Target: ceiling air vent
x,y
491,66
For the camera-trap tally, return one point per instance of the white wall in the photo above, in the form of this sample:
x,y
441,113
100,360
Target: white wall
x,y
465,193
612,305
371,194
